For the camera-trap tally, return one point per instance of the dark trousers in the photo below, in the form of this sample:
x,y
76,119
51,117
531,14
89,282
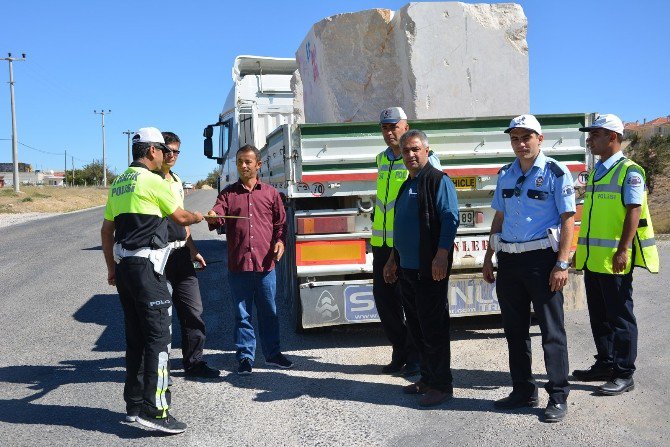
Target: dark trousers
x,y
148,315
523,278
388,301
427,314
180,273
610,301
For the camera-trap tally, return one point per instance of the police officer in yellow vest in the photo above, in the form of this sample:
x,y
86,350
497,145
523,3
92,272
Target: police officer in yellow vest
x,y
134,238
615,235
391,175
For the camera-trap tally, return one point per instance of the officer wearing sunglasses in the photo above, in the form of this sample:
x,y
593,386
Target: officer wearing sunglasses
x,y
534,196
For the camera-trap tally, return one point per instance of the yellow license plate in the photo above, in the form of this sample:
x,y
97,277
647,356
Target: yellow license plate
x,y
462,183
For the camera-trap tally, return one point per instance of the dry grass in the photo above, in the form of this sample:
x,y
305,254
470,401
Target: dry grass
x,y
50,199
659,204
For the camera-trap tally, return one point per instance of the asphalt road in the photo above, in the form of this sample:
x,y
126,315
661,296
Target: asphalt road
x,y
62,366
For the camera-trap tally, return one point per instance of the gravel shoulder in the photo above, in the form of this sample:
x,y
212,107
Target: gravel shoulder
x,y
13,219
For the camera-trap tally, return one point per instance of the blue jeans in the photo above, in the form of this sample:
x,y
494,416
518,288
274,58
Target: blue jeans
x,y
247,288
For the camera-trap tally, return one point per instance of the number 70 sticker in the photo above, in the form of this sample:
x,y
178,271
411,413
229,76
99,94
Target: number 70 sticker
x,y
317,189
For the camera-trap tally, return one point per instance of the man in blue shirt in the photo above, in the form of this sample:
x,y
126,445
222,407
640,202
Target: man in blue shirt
x,y
534,196
388,300
425,223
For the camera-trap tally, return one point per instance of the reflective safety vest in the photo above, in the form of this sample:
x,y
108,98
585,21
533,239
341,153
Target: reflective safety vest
x,y
391,174
602,224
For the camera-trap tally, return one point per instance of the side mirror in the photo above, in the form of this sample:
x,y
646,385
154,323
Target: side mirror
x,y
208,146
208,131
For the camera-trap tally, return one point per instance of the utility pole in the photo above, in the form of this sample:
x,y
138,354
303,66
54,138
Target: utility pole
x,y
15,144
129,133
73,172
65,171
104,165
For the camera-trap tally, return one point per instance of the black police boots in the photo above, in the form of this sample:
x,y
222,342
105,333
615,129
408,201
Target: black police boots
x,y
596,373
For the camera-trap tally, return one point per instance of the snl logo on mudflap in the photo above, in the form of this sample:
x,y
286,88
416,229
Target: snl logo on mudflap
x,y
359,304
467,296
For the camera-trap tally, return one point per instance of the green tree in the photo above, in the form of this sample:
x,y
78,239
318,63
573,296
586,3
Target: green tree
x,y
653,154
90,175
211,179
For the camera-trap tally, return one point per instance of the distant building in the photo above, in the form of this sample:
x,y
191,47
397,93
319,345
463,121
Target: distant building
x,y
646,130
9,167
46,178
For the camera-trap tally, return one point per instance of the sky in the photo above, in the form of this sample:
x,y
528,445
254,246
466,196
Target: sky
x,y
167,64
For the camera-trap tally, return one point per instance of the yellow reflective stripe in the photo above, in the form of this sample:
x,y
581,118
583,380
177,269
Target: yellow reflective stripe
x,y
380,233
385,206
386,166
162,383
607,188
596,242
644,243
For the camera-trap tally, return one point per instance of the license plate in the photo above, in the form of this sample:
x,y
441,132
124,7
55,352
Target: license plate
x,y
465,183
467,218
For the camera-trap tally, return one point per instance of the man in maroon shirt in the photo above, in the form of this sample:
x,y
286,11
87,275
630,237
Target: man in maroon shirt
x,y
255,243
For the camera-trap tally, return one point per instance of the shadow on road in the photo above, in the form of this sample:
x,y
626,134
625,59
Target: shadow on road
x,y
45,379
275,386
104,310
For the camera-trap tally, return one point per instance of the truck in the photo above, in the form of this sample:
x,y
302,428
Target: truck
x,y
326,173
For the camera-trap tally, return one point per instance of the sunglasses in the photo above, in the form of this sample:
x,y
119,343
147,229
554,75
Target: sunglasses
x,y
166,150
518,185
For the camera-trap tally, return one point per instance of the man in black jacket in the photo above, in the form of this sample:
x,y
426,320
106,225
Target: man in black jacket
x,y
180,272
426,220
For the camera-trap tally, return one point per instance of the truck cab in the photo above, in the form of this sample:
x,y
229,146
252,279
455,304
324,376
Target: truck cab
x,y
259,101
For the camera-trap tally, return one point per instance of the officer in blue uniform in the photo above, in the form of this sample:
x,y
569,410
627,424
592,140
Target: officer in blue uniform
x,y
534,197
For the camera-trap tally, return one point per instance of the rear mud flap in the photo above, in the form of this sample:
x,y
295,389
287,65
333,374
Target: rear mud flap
x,y
331,303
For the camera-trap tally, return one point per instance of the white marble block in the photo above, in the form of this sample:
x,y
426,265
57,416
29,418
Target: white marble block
x,y
436,60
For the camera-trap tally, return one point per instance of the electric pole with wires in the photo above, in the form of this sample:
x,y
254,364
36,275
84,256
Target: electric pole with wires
x,y
129,133
15,148
104,165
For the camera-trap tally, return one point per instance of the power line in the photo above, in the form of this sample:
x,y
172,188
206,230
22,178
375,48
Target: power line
x,y
33,148
45,152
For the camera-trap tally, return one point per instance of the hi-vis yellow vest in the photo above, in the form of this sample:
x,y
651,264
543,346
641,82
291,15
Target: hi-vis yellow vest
x,y
602,224
391,174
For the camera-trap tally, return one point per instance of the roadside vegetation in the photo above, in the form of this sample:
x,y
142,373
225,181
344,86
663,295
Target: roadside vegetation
x,y
89,175
50,199
209,181
653,155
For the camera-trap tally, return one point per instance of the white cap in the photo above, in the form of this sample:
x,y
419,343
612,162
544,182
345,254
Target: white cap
x,y
607,121
149,135
392,115
525,122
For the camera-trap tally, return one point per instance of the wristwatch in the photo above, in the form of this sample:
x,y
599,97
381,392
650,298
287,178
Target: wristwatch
x,y
562,265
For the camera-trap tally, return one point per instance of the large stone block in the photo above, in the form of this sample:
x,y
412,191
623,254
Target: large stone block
x,y
436,60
